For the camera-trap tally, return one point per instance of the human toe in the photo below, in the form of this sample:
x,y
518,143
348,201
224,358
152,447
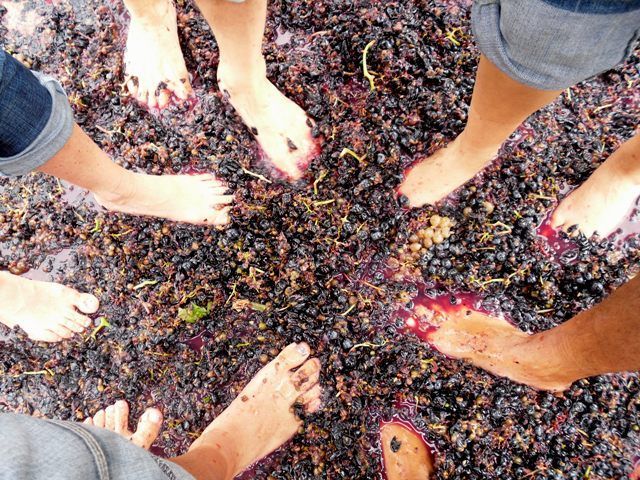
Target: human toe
x,y
148,428
99,419
86,303
310,396
292,356
307,375
110,418
60,329
73,324
121,417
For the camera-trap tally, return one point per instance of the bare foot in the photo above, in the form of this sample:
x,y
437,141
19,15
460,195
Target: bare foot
x,y
281,127
47,312
406,457
261,418
154,64
435,177
199,199
116,418
496,346
601,203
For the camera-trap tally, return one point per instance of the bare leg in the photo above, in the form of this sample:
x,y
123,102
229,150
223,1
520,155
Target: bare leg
x,y
280,126
260,420
186,198
406,457
499,104
601,202
47,312
153,60
601,340
116,418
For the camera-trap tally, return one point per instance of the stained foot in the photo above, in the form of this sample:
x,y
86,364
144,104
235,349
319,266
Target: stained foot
x,y
496,346
433,178
154,65
262,418
601,203
199,199
406,457
281,127
47,312
116,418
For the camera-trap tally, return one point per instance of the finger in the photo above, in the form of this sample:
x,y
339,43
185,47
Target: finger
x,y
88,421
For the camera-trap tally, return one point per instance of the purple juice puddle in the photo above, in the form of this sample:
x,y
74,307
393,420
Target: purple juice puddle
x,y
563,249
58,262
196,343
283,36
418,317
76,196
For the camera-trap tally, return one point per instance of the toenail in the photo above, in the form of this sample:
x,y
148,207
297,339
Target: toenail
x,y
303,349
154,416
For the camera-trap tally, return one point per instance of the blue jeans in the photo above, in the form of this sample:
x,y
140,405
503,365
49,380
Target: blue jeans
x,y
553,44
36,449
35,118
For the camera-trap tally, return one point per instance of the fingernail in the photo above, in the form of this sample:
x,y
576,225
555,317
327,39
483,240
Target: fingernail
x,y
303,349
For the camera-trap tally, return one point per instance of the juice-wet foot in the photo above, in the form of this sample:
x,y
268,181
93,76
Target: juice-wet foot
x,y
495,345
280,126
406,457
47,312
433,178
601,203
116,418
154,64
262,418
199,199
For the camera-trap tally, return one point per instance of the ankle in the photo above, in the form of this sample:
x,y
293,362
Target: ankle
x,y
246,76
153,13
545,360
472,150
121,191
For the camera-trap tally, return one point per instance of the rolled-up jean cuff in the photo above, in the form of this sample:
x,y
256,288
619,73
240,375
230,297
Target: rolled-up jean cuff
x,y
52,138
37,449
551,48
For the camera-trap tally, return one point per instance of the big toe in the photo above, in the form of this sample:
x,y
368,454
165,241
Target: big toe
x,y
87,303
292,356
148,428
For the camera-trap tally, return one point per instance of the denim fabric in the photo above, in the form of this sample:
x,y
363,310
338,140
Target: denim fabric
x,y
552,48
25,106
596,6
35,118
36,449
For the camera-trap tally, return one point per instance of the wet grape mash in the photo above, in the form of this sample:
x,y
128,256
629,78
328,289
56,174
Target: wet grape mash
x,y
190,313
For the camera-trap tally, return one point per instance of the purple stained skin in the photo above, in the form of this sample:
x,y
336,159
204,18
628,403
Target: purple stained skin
x,y
309,261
